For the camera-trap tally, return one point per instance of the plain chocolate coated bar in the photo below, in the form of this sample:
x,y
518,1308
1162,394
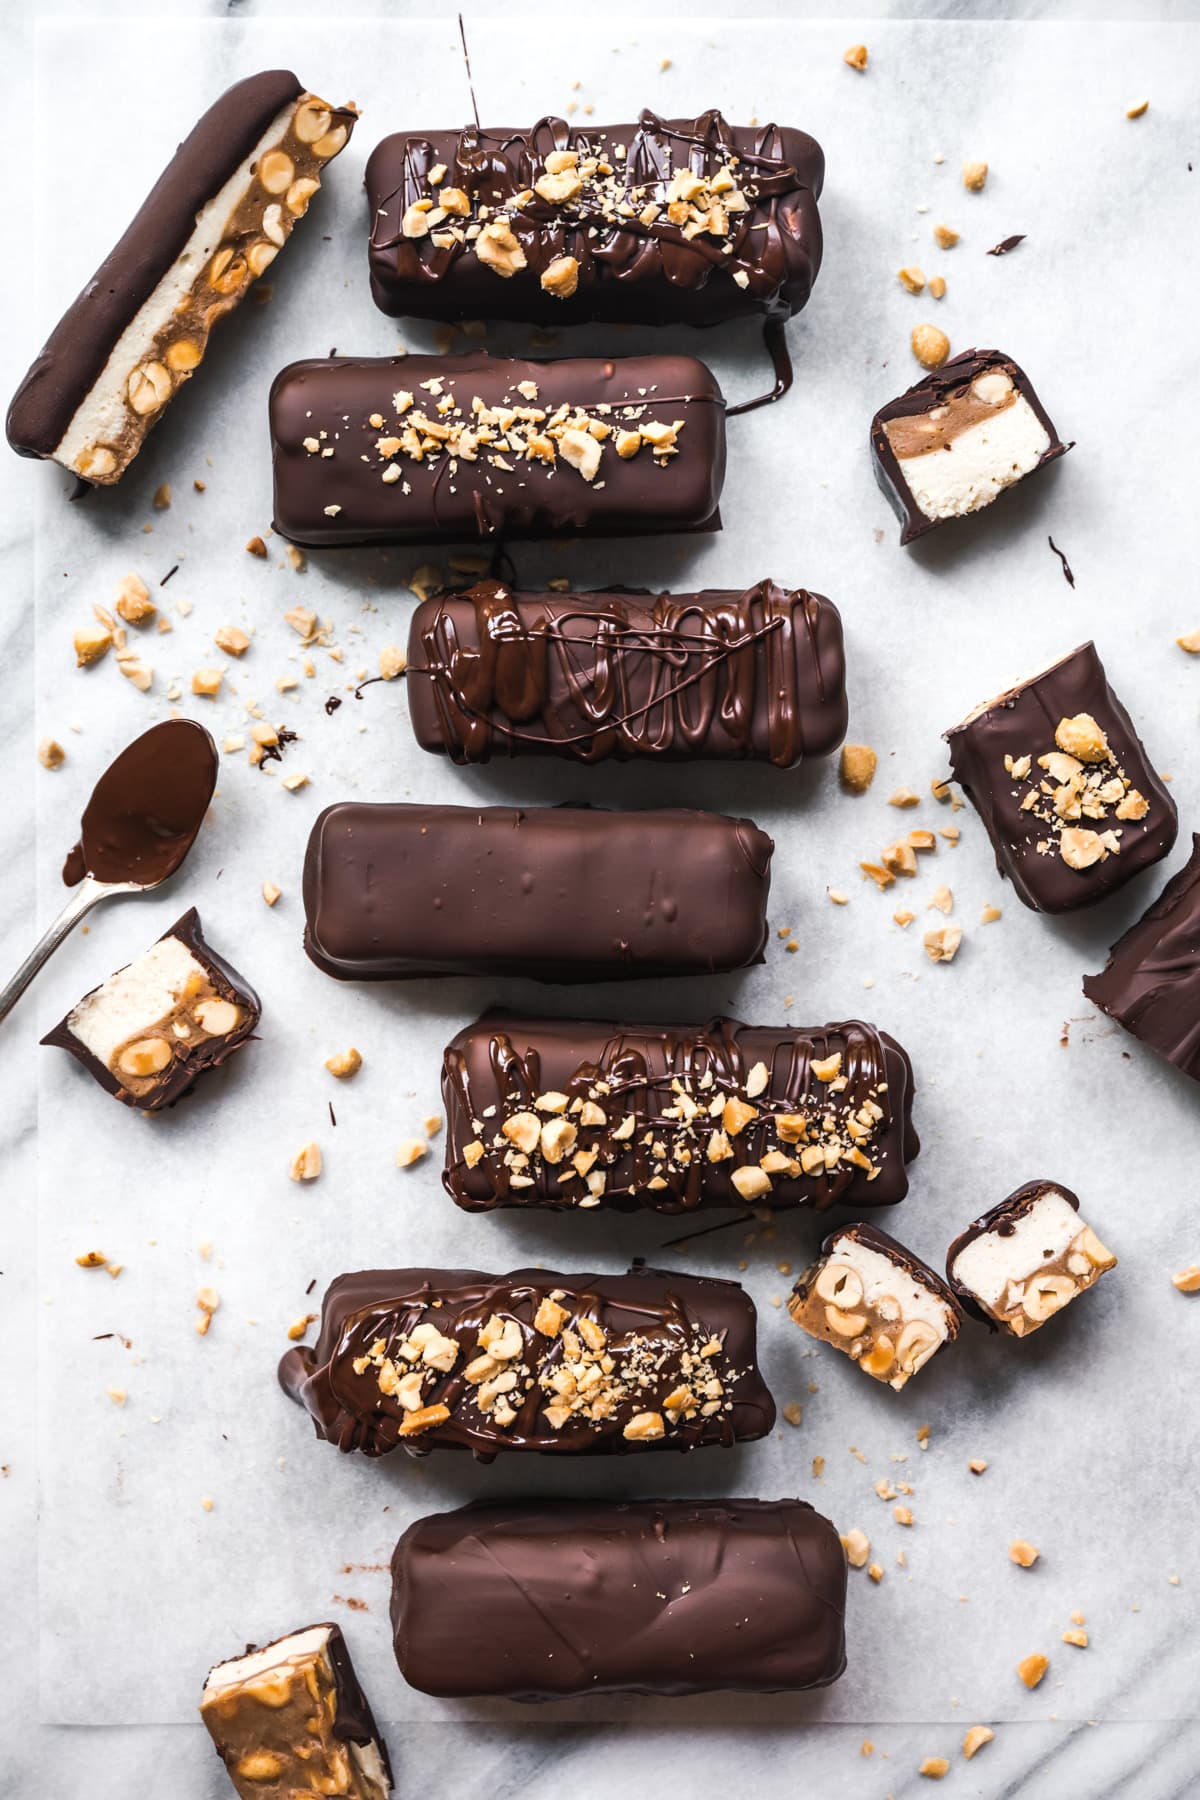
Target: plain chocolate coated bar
x,y
567,1364
216,218
423,449
1056,771
716,675
958,439
534,1600
669,221
580,1113
566,893
1151,981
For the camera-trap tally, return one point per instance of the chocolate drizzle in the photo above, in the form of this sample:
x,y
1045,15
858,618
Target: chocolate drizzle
x,y
717,674
147,807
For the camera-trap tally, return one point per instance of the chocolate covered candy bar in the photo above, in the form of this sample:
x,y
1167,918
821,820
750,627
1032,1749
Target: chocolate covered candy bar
x,y
558,893
1061,780
533,1600
873,1299
291,1719
147,1032
579,1113
418,449
666,222
958,438
568,1364
1151,981
716,675
1026,1259
218,215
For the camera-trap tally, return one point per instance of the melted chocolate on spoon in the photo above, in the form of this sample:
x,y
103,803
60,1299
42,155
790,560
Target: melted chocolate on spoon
x,y
147,807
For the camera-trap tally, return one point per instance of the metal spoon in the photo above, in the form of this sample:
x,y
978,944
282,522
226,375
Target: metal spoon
x,y
137,828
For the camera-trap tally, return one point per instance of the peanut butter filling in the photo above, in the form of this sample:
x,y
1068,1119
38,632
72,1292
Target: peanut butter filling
x,y
920,433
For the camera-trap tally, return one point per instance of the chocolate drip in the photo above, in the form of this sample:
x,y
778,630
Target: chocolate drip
x,y
716,674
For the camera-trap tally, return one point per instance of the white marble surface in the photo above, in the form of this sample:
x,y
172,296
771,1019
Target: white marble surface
x,y
1089,1447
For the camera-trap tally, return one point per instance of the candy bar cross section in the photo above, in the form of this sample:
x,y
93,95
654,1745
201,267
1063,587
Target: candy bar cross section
x,y
430,449
1026,1259
958,439
878,1303
576,1114
1064,786
564,1364
561,894
291,1718
718,675
217,217
534,1600
1151,981
169,1016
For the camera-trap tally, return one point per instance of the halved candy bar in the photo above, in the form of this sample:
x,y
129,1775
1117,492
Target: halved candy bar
x,y
533,1600
1151,981
215,219
576,1114
567,1364
1026,1259
720,674
1063,784
873,1299
666,222
424,449
958,438
291,1719
147,1032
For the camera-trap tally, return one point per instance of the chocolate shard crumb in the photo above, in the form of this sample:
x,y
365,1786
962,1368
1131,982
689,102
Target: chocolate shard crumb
x,y
1006,244
1066,567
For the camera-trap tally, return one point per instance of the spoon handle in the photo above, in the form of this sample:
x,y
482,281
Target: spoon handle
x,y
82,901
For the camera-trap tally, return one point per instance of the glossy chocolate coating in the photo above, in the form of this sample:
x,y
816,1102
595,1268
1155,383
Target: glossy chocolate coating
x,y
1002,1219
80,344
478,500
503,1061
147,807
179,1077
534,1600
672,1311
933,390
1151,981
717,675
1022,722
872,1238
564,893
629,270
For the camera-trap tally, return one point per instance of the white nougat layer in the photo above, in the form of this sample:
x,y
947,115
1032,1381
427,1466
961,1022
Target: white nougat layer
x,y
1040,1236
882,1278
978,464
135,999
101,415
301,1647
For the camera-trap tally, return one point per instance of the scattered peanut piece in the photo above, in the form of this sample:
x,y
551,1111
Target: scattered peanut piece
x,y
410,1151
868,1748
344,1063
1137,109
857,1546
976,1738
989,915
951,833
270,892
91,643
140,673
51,754
92,1259
942,900
208,1300
941,790
306,1164
875,1571
903,917
946,237
883,878
1188,1280
297,558
162,497
426,581
977,1465
294,782
1190,643
924,1433
1078,1638
935,1767
207,683
930,346
856,767
912,278
207,1504
937,286
902,1515
432,1124
904,797
256,547
232,639
297,1330
133,601
392,662
793,1412
974,176
1031,1669
941,944
838,897
856,57
1023,1553
118,1396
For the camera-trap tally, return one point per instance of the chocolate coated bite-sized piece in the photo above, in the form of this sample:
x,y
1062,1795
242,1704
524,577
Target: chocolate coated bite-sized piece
x,y
1062,782
958,438
1026,1259
218,215
666,222
147,1032
1151,981
563,893
567,1364
423,449
873,1299
716,675
581,1113
535,1600
291,1720
147,807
